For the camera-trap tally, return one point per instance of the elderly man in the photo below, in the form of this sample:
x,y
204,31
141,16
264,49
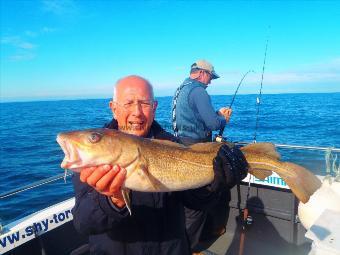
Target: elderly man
x,y
157,223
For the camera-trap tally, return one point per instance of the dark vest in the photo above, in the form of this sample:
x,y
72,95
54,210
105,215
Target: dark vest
x,y
189,124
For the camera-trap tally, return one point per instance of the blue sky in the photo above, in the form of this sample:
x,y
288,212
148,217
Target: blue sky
x,y
78,49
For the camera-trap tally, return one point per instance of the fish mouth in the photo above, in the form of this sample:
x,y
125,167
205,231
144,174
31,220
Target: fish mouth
x,y
72,157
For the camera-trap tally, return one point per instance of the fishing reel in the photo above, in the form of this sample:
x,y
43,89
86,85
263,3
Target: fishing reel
x,y
219,139
247,220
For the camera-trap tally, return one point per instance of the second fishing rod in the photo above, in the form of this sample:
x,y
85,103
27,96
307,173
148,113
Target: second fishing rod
x,y
219,137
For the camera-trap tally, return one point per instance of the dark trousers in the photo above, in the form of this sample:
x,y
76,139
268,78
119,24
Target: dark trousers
x,y
217,218
194,223
205,224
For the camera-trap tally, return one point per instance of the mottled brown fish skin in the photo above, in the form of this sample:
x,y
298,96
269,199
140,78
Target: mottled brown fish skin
x,y
160,166
152,165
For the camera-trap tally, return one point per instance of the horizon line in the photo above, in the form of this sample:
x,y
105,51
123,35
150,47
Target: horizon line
x,y
73,98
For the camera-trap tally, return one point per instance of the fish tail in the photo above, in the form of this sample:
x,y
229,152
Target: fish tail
x,y
302,183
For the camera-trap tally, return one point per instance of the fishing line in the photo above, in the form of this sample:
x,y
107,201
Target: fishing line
x,y
220,134
258,99
34,185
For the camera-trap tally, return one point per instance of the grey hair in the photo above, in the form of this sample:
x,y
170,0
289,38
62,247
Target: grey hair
x,y
135,76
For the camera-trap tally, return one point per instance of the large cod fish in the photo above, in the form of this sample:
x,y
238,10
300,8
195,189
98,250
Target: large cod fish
x,y
160,166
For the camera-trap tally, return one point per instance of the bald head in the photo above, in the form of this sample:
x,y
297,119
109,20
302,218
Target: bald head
x,y
135,83
133,105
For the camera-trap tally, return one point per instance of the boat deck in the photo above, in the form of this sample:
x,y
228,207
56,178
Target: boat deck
x,y
275,228
228,244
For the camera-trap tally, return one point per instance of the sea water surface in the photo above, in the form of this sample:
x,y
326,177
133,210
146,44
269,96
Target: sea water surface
x,y
29,152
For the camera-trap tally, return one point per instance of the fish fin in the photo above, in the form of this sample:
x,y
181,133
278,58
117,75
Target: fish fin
x,y
166,142
303,183
205,147
264,148
154,182
158,186
126,197
260,173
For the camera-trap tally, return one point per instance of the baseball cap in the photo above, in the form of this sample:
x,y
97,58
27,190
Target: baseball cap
x,y
205,65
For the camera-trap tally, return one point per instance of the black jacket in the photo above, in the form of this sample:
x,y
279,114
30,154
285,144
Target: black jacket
x,y
157,223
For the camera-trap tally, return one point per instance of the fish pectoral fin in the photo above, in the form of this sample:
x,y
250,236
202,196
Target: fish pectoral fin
x,y
267,149
156,185
126,197
260,173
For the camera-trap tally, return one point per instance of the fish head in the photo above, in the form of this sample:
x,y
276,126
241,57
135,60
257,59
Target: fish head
x,y
90,147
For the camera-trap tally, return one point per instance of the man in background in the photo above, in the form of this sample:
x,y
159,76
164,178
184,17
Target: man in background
x,y
194,119
193,115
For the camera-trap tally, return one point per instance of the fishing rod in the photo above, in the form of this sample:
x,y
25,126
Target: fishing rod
x,y
245,218
258,99
220,135
244,76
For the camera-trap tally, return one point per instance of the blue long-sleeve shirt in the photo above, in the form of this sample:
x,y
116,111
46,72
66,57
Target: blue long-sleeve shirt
x,y
200,101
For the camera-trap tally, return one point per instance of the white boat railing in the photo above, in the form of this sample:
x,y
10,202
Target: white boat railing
x,y
299,147
33,226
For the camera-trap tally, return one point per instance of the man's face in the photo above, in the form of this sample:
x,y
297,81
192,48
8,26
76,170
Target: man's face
x,y
202,76
206,77
134,108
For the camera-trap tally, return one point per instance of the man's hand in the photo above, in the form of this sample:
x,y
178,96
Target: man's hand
x,y
225,112
107,180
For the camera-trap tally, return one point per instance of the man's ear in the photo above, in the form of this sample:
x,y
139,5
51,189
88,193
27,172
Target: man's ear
x,y
113,107
195,75
155,104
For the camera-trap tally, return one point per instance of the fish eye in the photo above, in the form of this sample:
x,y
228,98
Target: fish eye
x,y
94,137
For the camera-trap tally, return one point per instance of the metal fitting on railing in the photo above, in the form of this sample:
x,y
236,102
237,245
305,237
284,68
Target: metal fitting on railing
x,y
331,165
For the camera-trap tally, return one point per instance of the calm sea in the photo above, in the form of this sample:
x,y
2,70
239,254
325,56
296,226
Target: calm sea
x,y
29,152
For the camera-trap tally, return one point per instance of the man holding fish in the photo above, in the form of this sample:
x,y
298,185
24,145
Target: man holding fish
x,y
119,221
